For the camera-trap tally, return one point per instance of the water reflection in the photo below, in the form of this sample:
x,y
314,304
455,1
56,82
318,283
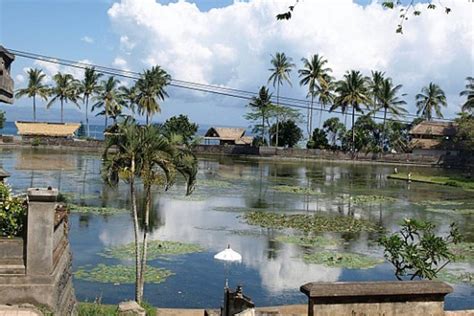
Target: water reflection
x,y
271,271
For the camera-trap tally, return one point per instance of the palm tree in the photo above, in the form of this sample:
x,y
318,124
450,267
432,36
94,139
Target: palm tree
x,y
262,104
128,97
141,151
65,90
374,85
280,72
108,98
325,92
430,99
389,101
351,91
313,74
89,87
469,92
334,127
150,88
35,88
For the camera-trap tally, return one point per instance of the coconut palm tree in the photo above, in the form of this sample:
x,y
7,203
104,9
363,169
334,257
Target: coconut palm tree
x,y
150,88
142,151
325,92
128,97
108,98
313,74
430,100
35,88
88,87
280,72
352,91
262,105
65,90
374,84
335,128
469,93
390,102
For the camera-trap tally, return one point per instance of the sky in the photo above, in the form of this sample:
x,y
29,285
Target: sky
x,y
230,43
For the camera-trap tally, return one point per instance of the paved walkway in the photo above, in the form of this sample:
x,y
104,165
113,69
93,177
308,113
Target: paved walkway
x,y
18,311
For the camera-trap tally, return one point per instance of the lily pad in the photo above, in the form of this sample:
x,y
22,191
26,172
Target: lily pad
x,y
74,208
118,274
308,241
456,276
342,260
311,223
295,190
372,199
214,183
156,249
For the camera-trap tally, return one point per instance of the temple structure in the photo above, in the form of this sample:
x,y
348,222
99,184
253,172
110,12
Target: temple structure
x,y
6,81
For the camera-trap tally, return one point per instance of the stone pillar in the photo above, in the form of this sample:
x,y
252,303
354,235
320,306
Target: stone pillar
x,y
39,243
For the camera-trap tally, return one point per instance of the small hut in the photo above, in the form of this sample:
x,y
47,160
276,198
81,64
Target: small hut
x,y
433,137
227,136
46,129
6,81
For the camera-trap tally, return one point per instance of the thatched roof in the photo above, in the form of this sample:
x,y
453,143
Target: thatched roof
x,y
47,129
419,143
225,133
434,129
244,140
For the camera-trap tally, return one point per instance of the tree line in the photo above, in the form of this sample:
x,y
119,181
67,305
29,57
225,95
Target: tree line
x,y
353,94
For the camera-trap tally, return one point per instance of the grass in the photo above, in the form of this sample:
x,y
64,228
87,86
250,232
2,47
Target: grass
x,y
342,260
120,274
99,309
308,241
310,223
97,210
156,249
461,182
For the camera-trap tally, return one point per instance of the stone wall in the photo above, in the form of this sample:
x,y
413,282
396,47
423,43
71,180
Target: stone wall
x,y
46,278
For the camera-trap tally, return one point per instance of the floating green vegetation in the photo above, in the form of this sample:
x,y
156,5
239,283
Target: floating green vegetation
x,y
214,183
440,203
459,211
464,251
295,190
342,260
465,183
309,241
119,274
372,199
311,223
74,208
155,249
456,276
234,209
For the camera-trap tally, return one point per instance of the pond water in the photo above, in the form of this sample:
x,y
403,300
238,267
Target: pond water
x,y
271,271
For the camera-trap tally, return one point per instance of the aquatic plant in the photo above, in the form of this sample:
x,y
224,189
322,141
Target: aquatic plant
x,y
372,199
295,190
214,183
346,260
311,223
454,181
155,249
308,241
457,276
463,251
97,210
120,274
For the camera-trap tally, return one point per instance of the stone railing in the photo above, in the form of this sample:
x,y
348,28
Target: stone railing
x,y
376,298
36,269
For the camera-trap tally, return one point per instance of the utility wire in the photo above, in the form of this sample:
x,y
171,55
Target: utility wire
x,y
224,91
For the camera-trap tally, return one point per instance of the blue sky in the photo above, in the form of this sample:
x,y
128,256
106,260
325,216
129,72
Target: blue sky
x,y
90,30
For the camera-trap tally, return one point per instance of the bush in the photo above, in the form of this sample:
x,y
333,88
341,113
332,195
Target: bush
x,y
12,214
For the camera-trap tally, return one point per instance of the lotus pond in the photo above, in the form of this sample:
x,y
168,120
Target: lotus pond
x,y
293,223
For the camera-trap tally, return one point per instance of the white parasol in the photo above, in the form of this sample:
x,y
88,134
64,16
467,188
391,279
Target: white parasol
x,y
228,255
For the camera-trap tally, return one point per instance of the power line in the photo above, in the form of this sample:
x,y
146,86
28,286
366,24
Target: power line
x,y
224,91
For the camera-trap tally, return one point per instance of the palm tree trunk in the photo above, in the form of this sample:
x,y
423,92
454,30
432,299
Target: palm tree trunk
x,y
263,126
62,111
353,129
145,240
34,108
311,114
383,129
138,294
320,115
147,119
278,103
87,115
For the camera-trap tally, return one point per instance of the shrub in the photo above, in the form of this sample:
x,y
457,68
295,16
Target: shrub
x,y
12,214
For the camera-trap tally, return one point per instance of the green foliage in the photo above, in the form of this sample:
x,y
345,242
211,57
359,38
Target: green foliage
x,y
415,251
342,260
372,199
260,107
180,125
12,213
98,309
2,119
155,249
97,210
120,274
430,100
289,133
366,134
464,251
308,241
334,129
259,141
310,223
457,276
464,138
455,181
35,142
295,190
318,140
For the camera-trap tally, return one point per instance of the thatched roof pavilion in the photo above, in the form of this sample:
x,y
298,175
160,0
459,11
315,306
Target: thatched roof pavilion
x,y
46,129
228,135
432,135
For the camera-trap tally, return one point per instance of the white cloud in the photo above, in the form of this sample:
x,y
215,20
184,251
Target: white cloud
x,y
125,43
120,62
232,45
20,78
87,39
50,69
